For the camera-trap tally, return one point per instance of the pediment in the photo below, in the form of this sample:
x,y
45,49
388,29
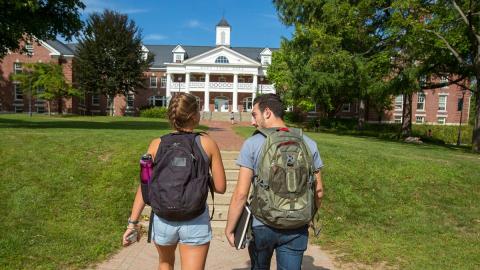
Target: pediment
x,y
178,49
266,51
209,57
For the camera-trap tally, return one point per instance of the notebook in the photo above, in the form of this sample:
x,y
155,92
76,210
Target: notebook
x,y
241,228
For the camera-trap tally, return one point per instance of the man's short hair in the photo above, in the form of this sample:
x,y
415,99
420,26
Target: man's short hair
x,y
271,101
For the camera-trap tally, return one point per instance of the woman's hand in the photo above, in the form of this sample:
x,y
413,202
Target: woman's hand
x,y
127,233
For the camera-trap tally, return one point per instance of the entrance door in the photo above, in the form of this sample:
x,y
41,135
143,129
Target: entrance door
x,y
247,104
221,104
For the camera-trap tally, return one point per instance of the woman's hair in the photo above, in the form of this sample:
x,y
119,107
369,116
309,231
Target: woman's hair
x,y
182,109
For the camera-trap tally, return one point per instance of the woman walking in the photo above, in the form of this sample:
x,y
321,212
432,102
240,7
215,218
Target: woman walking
x,y
190,231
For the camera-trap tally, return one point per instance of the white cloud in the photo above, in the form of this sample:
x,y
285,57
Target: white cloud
x,y
155,37
193,24
100,6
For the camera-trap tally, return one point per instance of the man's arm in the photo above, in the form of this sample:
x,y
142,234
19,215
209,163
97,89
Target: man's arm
x,y
238,201
318,189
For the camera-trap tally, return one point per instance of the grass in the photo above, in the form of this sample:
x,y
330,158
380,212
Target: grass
x,y
66,187
411,206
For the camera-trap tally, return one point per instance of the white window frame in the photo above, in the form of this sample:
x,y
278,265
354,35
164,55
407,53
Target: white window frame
x,y
95,99
397,119
443,121
153,99
163,82
419,119
266,60
17,92
17,68
29,48
346,107
444,109
178,57
222,60
18,108
153,81
421,96
130,100
444,79
399,103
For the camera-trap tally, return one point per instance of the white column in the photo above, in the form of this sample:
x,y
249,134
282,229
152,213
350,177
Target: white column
x,y
254,84
169,91
187,82
235,93
206,103
254,95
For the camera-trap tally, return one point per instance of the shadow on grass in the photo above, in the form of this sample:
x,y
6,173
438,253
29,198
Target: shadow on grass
x,y
394,138
80,124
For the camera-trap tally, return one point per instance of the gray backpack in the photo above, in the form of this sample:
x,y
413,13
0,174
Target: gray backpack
x,y
283,193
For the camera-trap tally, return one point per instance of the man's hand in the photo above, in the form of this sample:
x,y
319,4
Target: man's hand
x,y
231,238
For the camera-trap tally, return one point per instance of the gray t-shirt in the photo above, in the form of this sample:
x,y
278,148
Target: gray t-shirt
x,y
250,152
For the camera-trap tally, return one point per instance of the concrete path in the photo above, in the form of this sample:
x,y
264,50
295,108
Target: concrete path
x,y
221,256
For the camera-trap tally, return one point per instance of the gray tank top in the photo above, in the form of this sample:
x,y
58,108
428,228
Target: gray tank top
x,y
204,154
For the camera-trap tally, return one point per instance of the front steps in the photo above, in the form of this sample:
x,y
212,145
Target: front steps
x,y
225,116
222,201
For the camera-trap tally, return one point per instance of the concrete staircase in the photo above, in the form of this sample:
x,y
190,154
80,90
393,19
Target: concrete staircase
x,y
222,201
225,116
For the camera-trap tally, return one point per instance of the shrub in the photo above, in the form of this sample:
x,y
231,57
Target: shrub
x,y
294,117
154,112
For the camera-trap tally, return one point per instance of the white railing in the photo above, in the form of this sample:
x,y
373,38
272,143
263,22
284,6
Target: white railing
x,y
197,85
176,85
221,85
244,85
265,87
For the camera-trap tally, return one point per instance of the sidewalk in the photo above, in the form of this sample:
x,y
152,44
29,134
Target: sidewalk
x,y
221,256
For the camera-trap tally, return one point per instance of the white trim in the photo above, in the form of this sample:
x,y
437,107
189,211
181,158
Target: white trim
x,y
266,51
178,49
248,59
52,50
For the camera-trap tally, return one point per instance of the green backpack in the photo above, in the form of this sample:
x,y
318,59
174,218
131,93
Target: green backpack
x,y
283,193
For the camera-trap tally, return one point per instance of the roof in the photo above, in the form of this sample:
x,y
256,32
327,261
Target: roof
x,y
163,53
223,22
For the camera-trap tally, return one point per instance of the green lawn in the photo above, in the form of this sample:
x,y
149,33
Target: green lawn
x,y
66,187
412,206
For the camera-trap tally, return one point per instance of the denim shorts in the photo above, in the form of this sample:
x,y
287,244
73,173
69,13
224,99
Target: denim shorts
x,y
196,231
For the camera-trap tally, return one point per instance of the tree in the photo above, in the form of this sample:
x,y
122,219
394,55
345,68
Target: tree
x,y
109,56
25,19
330,57
45,81
52,81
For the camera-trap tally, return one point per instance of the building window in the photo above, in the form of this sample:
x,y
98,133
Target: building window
x,y
399,103
130,99
441,120
444,80
201,79
442,102
18,91
420,102
153,82
420,119
178,58
398,119
157,101
221,79
163,82
346,107
221,60
29,48
241,80
266,60
95,99
19,108
222,37
17,68
40,109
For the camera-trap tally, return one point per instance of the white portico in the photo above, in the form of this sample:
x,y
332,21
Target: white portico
x,y
222,78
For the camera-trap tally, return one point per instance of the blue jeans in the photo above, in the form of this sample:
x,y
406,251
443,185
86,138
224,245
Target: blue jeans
x,y
289,246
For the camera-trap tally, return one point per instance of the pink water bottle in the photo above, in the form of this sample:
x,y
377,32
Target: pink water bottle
x,y
146,168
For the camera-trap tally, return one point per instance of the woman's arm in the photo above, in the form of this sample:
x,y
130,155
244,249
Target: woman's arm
x,y
216,164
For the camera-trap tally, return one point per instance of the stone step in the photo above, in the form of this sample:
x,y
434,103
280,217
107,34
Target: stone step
x,y
230,165
229,155
231,174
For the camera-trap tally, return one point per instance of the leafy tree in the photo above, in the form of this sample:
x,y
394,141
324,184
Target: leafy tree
x,y
109,56
45,81
331,53
25,19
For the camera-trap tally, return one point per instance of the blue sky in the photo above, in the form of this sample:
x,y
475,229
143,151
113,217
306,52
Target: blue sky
x,y
254,22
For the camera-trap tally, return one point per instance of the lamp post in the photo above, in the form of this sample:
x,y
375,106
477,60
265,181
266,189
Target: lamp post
x,y
261,85
460,108
179,82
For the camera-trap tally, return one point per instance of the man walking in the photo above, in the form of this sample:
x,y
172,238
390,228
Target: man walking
x,y
287,174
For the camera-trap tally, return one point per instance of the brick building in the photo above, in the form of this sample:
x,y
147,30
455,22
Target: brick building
x,y
222,77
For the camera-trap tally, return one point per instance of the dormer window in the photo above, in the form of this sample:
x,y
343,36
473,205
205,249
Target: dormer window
x,y
178,58
221,60
266,60
29,48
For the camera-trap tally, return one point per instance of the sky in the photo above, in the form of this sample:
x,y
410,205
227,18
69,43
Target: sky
x,y
254,23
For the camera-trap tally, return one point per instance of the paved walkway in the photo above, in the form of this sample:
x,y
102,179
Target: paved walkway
x,y
221,256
